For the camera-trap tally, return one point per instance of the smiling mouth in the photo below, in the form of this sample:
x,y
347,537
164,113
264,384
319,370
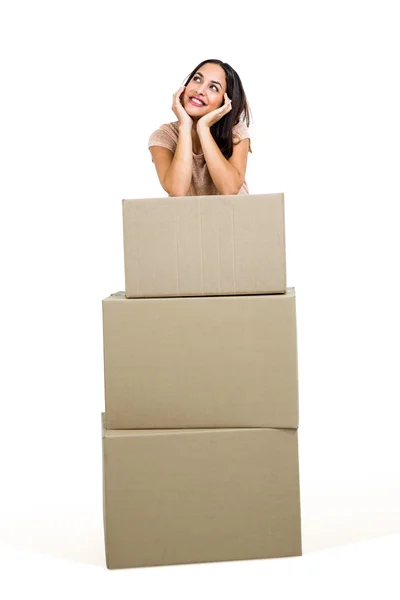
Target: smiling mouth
x,y
196,103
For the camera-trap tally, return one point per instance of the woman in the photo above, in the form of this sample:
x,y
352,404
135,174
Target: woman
x,y
205,151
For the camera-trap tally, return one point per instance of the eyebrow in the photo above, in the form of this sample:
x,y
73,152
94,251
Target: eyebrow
x,y
212,80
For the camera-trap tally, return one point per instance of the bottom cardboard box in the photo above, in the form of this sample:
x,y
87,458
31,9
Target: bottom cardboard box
x,y
200,495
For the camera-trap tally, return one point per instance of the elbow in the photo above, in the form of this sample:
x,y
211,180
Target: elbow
x,y
233,187
176,192
231,191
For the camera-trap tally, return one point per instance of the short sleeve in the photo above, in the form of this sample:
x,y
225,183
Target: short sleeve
x,y
163,137
240,132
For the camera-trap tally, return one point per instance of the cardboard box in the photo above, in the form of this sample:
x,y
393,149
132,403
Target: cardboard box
x,y
217,361
204,245
189,496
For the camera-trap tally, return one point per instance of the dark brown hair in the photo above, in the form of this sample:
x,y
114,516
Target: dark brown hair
x,y
222,129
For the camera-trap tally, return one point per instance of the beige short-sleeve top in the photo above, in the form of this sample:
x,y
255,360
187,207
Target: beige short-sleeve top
x,y
202,184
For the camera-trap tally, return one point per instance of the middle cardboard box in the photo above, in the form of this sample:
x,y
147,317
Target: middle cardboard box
x,y
200,362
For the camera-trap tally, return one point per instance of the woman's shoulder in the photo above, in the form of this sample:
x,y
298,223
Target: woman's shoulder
x,y
241,131
166,135
171,128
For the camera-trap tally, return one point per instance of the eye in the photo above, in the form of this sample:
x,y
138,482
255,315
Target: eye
x,y
213,86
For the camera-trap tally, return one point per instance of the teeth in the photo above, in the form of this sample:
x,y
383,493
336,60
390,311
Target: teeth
x,y
197,102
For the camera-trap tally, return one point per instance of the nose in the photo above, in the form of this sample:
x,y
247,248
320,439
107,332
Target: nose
x,y
201,88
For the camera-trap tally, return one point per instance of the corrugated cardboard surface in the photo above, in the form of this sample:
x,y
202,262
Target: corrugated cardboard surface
x,y
222,361
204,245
189,496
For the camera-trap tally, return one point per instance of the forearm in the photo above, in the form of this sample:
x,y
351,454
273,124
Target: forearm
x,y
179,175
225,177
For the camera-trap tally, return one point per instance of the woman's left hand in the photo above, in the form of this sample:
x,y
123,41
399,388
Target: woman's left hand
x,y
215,115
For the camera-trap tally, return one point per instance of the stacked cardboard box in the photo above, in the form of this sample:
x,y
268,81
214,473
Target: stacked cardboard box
x,y
200,447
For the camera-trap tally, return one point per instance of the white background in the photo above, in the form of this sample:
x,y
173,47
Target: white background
x,y
83,85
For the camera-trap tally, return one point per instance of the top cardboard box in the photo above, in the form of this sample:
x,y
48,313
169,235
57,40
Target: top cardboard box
x,y
204,246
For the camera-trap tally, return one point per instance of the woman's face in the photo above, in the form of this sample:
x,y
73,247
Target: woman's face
x,y
208,84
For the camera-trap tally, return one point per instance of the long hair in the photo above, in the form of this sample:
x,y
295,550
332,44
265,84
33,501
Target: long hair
x,y
222,129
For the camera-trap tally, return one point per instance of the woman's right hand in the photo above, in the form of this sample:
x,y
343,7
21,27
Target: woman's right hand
x,y
178,109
